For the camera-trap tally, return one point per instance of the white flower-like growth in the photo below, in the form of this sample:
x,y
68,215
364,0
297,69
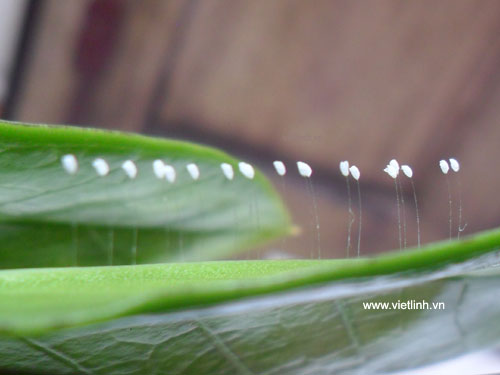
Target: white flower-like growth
x,y
443,164
391,171
227,170
394,164
280,168
304,169
246,170
170,174
130,169
355,172
401,197
70,163
455,166
408,172
344,168
445,168
101,167
159,169
164,171
193,171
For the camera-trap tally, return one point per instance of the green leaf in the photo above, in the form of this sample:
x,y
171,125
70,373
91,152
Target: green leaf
x,y
39,300
322,323
49,218
234,317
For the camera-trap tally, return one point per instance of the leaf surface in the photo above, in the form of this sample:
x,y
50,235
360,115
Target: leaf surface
x,y
50,218
224,317
321,327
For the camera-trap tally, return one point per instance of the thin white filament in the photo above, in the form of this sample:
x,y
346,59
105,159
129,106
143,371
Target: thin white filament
x,y
416,210
111,246
408,172
392,169
74,237
455,166
403,211
460,227
281,172
134,245
450,205
316,216
399,214
359,217
351,217
131,171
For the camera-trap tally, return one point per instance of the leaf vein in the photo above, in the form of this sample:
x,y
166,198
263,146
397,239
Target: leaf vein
x,y
231,356
56,355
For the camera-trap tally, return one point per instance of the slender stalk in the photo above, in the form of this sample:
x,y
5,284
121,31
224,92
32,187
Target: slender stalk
x,y
403,211
351,217
460,228
134,245
359,220
450,204
74,237
416,210
399,214
111,245
316,216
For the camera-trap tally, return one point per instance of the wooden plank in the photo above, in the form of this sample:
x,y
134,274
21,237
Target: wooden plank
x,y
332,80
50,80
74,78
123,95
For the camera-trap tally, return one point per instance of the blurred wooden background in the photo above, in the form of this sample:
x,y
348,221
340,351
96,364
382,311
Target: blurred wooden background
x,y
319,81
